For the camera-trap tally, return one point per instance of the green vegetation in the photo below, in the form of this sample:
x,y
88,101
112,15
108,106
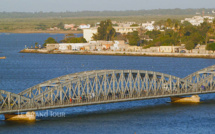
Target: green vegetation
x,y
189,45
133,38
175,33
32,24
41,26
176,11
70,38
60,25
49,40
172,33
134,25
105,31
211,46
28,21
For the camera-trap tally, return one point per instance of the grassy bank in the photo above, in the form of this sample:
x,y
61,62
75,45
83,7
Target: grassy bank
x,y
28,25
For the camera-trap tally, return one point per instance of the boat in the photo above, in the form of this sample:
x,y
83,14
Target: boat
x,y
192,99
29,116
3,57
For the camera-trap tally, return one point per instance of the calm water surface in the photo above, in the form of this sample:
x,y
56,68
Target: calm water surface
x,y
21,71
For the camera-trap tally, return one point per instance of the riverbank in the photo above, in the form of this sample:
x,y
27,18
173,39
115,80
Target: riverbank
x,y
41,31
113,53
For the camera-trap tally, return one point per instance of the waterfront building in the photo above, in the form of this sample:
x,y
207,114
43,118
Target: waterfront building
x,y
119,45
64,46
72,46
88,33
52,46
200,49
152,49
169,49
106,46
134,49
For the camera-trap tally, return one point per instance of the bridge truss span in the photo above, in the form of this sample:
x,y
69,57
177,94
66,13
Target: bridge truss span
x,y
104,86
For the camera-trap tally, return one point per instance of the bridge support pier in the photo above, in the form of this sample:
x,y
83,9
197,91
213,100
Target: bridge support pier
x,y
29,116
192,99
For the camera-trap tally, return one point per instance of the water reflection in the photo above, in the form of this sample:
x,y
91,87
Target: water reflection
x,y
21,71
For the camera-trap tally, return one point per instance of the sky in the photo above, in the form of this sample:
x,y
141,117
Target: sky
x,y
98,5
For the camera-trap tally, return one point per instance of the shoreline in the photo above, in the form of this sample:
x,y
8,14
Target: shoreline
x,y
41,31
110,53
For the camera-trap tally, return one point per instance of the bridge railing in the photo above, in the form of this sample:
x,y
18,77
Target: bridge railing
x,y
201,74
108,87
9,101
105,87
47,85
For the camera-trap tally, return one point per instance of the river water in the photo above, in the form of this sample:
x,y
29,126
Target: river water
x,y
22,70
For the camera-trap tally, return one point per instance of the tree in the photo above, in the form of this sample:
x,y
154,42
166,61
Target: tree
x,y
49,40
69,35
105,31
74,40
121,37
60,25
169,23
189,45
36,43
181,31
160,24
133,38
41,26
204,28
196,38
134,25
211,46
71,38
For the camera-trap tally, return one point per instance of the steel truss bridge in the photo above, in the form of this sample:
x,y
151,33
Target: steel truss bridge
x,y
105,86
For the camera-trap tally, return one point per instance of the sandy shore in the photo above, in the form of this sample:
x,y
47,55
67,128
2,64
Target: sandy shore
x,y
186,55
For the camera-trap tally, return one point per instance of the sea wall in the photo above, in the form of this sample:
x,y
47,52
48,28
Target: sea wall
x,y
119,53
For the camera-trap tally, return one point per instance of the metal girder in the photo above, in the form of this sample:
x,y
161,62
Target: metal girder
x,y
9,101
201,74
106,86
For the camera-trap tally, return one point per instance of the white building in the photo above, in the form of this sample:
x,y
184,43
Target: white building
x,y
197,20
119,45
148,25
69,26
71,46
115,46
83,26
125,30
150,28
88,33
125,24
64,46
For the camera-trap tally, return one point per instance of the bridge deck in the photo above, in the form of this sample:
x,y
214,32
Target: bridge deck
x,y
106,86
97,100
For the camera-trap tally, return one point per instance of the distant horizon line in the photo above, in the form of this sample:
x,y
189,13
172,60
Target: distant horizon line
x,y
103,10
